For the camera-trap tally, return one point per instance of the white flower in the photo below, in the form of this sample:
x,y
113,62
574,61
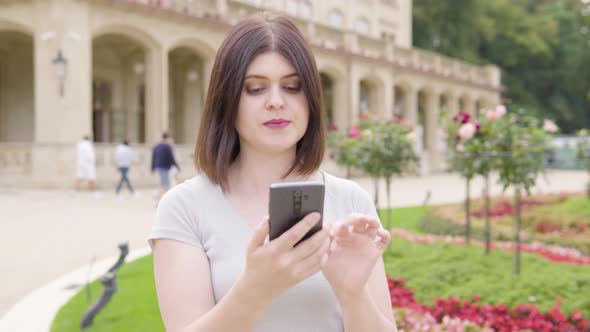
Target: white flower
x,y
467,130
549,126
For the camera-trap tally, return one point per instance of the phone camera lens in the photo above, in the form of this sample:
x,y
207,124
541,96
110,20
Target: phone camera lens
x,y
297,193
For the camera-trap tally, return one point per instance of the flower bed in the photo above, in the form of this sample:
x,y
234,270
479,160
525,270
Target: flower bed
x,y
452,314
551,252
562,219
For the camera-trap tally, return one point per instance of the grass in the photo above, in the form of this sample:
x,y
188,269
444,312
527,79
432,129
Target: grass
x,y
432,271
439,271
407,217
575,209
133,307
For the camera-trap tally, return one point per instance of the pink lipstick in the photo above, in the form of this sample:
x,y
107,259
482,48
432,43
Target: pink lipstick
x,y
277,123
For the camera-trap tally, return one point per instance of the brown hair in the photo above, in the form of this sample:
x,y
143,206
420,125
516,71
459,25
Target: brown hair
x,y
218,142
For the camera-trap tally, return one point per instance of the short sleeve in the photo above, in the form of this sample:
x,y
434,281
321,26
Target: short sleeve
x,y
363,202
175,221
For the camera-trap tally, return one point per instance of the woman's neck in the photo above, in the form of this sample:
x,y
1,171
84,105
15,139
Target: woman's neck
x,y
253,172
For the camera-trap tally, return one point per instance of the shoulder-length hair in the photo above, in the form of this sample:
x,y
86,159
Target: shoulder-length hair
x,y
218,143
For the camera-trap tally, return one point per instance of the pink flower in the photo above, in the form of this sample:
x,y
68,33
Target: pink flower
x,y
354,132
549,126
460,148
467,130
497,113
333,127
491,115
500,111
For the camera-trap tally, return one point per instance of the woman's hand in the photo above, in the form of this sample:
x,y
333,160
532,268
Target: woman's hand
x,y
275,266
356,246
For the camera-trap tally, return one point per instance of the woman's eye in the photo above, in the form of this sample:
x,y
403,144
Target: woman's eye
x,y
254,91
293,88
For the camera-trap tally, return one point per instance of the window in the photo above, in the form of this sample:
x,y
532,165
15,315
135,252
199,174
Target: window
x,y
335,18
301,8
362,26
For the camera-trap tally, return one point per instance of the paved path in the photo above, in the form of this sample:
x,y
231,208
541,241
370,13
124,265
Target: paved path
x,y
46,234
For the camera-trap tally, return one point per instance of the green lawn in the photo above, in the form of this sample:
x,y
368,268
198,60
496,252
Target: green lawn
x,y
133,307
575,209
440,270
431,270
407,217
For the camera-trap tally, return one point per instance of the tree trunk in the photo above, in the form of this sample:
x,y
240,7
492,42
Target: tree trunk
x,y
487,214
388,205
389,208
376,182
517,235
467,213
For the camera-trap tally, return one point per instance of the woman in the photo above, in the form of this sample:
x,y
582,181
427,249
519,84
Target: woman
x,y
214,269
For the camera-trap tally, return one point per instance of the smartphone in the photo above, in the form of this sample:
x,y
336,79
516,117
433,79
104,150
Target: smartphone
x,y
290,202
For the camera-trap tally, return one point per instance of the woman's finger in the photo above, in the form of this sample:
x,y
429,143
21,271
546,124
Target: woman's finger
x,y
341,231
373,227
384,239
259,235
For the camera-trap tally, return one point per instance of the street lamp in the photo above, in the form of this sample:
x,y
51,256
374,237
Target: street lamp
x,y
60,64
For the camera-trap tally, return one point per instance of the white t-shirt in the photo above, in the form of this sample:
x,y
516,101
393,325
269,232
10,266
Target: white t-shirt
x,y
197,212
123,156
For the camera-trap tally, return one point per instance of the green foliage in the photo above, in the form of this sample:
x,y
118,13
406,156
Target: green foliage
x,y
440,270
521,151
476,155
376,147
583,153
134,306
542,47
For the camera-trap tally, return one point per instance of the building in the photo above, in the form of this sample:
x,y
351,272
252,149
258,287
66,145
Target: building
x,y
116,69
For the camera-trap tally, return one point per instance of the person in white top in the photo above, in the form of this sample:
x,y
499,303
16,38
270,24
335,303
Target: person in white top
x,y
215,269
85,162
123,161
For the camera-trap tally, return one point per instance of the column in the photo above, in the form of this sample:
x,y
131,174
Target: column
x,y
156,94
71,112
453,105
431,127
354,95
386,106
222,7
339,104
411,106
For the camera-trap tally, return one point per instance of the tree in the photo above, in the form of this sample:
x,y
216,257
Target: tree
x,y
521,155
473,146
542,47
378,148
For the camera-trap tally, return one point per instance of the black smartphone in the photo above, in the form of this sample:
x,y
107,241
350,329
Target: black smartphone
x,y
290,202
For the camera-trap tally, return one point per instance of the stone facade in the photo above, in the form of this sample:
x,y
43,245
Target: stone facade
x,y
136,68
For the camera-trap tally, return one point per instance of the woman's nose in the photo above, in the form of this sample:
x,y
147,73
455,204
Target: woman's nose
x,y
275,100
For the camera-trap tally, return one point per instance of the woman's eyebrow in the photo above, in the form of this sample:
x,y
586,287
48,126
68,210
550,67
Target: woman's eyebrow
x,y
264,77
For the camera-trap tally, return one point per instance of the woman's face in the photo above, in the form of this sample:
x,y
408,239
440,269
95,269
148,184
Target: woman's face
x,y
273,111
